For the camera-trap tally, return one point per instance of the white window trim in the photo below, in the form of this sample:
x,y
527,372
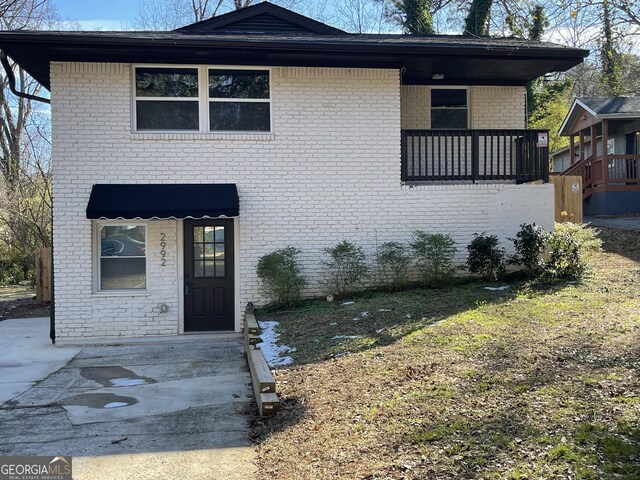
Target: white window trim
x,y
451,87
202,99
96,256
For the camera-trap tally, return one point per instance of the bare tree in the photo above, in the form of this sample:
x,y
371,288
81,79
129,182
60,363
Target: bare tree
x,y
25,182
164,15
362,16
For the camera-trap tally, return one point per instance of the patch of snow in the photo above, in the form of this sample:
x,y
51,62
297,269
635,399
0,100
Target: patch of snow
x,y
274,354
127,382
364,314
497,289
333,323
116,405
355,319
347,303
385,310
408,315
345,336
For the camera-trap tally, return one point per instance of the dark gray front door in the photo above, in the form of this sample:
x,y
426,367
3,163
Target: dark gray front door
x,y
208,275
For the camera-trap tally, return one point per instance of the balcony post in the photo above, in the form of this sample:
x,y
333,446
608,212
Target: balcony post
x,y
475,155
545,161
404,161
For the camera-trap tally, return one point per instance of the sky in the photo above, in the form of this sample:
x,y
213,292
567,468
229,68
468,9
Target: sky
x,y
98,14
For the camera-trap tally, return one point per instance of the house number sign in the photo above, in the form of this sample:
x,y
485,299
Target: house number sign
x,y
163,252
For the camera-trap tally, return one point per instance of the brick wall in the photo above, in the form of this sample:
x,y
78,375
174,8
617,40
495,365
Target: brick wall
x,y
490,107
330,170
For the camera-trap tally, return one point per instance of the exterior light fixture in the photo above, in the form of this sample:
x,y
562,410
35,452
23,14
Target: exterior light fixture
x,y
437,76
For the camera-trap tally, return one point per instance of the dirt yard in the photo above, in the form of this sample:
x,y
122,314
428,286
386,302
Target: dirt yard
x,y
466,383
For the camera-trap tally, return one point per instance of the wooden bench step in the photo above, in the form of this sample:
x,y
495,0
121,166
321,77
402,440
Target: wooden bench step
x,y
260,372
268,403
251,324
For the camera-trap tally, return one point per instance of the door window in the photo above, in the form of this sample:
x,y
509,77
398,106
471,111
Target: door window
x,y
208,252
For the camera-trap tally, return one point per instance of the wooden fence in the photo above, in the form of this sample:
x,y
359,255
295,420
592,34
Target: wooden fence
x,y
264,385
567,198
43,275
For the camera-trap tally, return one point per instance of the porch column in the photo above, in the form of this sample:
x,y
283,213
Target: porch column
x,y
572,149
594,149
605,163
581,135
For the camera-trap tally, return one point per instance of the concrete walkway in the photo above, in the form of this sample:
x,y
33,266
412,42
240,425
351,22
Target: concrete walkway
x,y
629,223
27,355
170,410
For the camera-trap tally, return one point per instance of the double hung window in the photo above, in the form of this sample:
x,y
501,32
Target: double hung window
x,y
449,108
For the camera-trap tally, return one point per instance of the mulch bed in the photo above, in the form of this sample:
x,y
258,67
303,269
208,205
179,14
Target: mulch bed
x,y
23,308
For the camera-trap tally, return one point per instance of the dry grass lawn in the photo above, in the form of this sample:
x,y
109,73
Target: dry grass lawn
x,y
465,383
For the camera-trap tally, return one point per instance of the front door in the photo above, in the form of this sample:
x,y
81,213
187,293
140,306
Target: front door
x,y
208,275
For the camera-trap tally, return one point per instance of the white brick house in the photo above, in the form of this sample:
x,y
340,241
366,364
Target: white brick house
x,y
360,144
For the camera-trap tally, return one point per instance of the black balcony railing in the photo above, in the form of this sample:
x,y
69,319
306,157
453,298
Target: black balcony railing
x,y
474,155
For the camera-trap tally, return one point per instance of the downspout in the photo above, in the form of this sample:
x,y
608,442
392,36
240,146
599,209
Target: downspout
x,y
12,81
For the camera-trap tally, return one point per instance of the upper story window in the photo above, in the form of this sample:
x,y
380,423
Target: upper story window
x,y
202,99
239,100
167,99
449,108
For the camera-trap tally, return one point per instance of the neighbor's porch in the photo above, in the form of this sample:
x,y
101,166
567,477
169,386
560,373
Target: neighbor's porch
x,y
594,157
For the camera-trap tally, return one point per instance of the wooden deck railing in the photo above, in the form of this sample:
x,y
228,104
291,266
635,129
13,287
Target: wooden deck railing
x,y
622,173
473,155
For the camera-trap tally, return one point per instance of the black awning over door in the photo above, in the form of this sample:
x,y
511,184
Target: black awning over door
x,y
159,201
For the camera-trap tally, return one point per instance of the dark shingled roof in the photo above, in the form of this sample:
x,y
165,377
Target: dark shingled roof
x,y
268,35
612,105
616,108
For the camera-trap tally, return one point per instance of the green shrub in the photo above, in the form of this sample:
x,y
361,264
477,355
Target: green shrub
x,y
393,264
346,268
279,273
565,260
529,244
434,254
486,257
587,237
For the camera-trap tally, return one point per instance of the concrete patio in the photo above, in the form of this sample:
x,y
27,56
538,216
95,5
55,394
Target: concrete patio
x,y
152,410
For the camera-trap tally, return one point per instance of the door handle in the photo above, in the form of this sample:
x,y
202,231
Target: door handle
x,y
187,289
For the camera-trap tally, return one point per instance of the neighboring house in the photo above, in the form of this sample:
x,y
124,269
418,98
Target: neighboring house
x,y
180,158
560,160
611,183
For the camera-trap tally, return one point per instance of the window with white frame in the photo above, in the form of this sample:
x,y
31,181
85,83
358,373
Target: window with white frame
x,y
167,99
202,99
449,108
122,260
239,100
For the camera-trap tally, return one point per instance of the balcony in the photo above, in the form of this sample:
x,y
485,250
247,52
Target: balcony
x,y
474,156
